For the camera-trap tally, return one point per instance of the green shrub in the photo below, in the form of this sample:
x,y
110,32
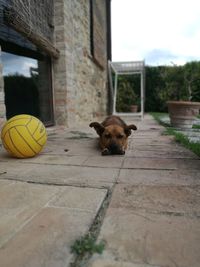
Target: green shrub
x,y
127,93
162,83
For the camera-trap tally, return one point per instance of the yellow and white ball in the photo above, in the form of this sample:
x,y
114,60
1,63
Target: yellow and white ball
x,y
23,136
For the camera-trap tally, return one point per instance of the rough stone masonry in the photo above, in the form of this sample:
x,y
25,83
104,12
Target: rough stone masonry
x,y
80,78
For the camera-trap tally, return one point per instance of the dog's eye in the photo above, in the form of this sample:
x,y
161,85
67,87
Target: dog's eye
x,y
120,136
107,135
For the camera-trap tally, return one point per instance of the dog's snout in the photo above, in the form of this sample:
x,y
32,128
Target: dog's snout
x,y
115,149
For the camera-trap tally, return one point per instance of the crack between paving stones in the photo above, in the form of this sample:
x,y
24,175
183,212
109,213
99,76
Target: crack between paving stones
x,y
95,228
57,184
138,212
157,157
71,165
100,167
178,214
151,169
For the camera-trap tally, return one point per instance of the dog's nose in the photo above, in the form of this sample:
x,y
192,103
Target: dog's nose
x,y
115,149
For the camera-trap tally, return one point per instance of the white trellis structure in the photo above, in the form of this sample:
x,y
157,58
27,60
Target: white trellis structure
x,y
127,68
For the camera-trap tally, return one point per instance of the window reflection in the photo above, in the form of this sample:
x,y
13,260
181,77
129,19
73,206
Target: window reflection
x,y
17,65
27,86
20,85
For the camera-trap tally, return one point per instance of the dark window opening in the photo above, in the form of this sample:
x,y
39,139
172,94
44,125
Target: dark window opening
x,y
26,68
27,86
98,30
91,29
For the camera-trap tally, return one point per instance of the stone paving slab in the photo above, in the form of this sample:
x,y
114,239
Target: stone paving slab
x,y
161,154
165,164
113,263
141,134
159,177
105,162
73,133
46,240
158,147
4,183
56,159
73,147
137,142
153,137
175,200
60,174
77,198
148,128
154,239
18,203
39,223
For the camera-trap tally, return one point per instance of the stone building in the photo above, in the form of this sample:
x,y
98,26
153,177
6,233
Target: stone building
x,y
54,56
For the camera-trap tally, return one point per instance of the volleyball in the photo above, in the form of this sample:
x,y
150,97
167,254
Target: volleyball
x,y
23,136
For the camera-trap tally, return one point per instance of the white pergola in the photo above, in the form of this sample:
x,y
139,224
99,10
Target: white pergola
x,y
127,68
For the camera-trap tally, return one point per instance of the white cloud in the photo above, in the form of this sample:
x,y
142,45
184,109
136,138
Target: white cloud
x,y
26,65
17,64
140,27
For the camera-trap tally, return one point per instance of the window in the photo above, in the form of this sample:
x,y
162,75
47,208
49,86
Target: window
x,y
98,46
91,29
27,86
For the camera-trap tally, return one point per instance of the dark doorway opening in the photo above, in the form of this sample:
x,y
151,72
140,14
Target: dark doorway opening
x,y
27,86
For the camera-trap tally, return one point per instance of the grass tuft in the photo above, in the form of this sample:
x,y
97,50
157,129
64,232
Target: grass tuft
x,y
179,137
195,126
87,244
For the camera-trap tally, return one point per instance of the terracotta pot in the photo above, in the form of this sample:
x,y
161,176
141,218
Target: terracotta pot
x,y
183,113
134,108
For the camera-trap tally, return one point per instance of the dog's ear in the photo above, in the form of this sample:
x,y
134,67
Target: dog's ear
x,y
98,127
128,129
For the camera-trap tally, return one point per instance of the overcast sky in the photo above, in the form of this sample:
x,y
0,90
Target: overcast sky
x,y
158,31
13,64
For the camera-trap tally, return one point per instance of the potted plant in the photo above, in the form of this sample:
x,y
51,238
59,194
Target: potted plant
x,y
135,105
183,109
127,99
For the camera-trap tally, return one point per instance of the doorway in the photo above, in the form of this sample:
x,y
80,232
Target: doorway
x,y
28,86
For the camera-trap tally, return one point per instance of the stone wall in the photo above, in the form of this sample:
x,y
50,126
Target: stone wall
x,y
80,83
2,106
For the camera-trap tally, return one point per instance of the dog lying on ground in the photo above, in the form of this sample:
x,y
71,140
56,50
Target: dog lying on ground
x,y
113,133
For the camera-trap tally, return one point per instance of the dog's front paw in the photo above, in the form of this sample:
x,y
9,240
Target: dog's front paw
x,y
105,152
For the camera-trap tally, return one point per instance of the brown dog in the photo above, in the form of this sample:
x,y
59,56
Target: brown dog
x,y
113,133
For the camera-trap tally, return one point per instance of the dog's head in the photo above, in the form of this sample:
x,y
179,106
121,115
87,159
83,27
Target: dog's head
x,y
113,138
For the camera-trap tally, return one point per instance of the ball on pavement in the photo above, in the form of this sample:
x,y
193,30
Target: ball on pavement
x,y
23,136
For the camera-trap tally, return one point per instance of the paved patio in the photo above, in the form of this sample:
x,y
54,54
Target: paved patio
x,y
153,217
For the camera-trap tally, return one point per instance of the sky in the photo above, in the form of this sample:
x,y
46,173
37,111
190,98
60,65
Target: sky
x,y
161,32
17,64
